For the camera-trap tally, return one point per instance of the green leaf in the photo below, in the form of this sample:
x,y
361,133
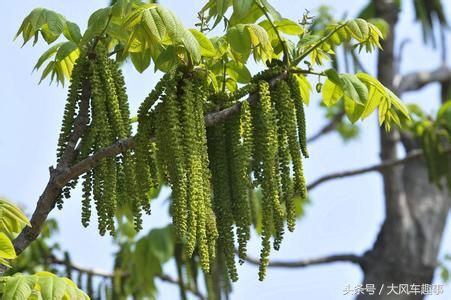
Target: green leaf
x,y
6,247
359,29
49,23
18,287
289,27
353,110
238,71
221,8
97,23
99,19
354,88
444,112
260,40
161,241
72,32
12,219
167,60
304,88
192,46
65,50
253,15
242,7
272,11
206,46
141,60
332,93
239,39
46,55
51,286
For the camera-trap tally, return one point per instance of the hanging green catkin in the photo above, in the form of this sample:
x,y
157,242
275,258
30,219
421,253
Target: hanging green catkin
x,y
238,179
86,201
265,141
287,120
221,194
105,199
127,161
300,113
299,180
169,136
112,104
197,205
73,98
213,234
146,174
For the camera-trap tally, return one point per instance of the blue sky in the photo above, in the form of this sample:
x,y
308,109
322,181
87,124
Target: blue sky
x,y
344,216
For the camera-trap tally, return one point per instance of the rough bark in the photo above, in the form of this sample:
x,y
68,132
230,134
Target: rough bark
x,y
407,245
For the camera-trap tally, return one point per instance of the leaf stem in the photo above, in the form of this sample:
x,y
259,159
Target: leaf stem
x,y
282,41
302,71
297,60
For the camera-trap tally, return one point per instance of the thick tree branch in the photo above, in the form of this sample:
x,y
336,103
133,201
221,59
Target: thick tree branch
x,y
108,275
416,80
311,262
51,192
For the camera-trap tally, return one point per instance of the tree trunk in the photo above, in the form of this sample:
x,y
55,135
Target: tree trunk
x,y
407,245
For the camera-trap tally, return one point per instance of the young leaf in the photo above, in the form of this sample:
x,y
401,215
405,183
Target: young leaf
x,y
242,7
289,27
332,92
192,46
206,46
354,88
6,247
18,287
238,71
239,39
72,32
304,88
49,23
272,11
359,29
141,60
353,109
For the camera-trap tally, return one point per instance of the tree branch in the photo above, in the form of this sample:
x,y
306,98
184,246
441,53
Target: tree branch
x,y
48,198
415,154
416,80
108,275
64,173
359,260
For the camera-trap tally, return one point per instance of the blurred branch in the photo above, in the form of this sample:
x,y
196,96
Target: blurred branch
x,y
416,80
359,260
109,275
329,127
415,154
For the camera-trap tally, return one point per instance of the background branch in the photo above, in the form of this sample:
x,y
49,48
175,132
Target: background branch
x,y
415,154
109,275
416,80
311,262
